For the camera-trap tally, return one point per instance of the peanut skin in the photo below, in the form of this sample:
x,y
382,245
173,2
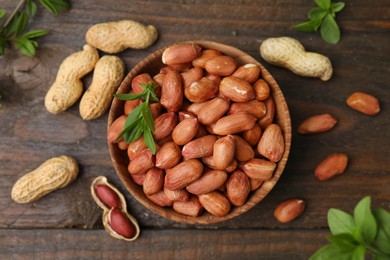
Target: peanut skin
x,y
53,174
68,87
289,53
107,76
114,37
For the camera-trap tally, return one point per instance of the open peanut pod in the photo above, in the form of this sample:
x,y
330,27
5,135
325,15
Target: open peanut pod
x,y
223,133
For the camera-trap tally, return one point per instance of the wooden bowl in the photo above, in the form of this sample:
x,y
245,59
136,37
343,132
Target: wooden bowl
x,y
152,64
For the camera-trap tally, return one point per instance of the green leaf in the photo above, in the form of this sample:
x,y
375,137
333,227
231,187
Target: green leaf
x,y
21,23
31,8
35,34
340,222
317,13
359,253
310,26
125,97
330,31
324,4
345,242
49,6
25,46
337,7
2,13
383,236
60,5
148,117
365,221
329,252
10,29
149,141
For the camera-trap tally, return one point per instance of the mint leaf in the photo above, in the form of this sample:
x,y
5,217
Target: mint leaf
x,y
365,221
31,8
337,7
345,242
331,251
25,46
148,117
35,34
330,31
310,26
149,140
383,237
129,96
317,13
60,5
324,4
21,23
2,13
359,253
49,6
340,222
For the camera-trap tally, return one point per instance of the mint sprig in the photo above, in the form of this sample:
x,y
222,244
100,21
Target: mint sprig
x,y
12,31
140,121
323,17
354,236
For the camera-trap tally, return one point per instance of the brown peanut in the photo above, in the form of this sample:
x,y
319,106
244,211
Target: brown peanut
x,y
164,125
177,195
154,181
192,207
259,169
289,210
201,90
243,151
252,136
183,174
253,107
168,156
181,53
221,65
238,188
236,89
271,144
213,110
249,72
185,131
121,224
317,124
223,152
215,203
364,103
234,123
141,163
331,166
200,147
270,114
172,92
205,56
107,196
210,181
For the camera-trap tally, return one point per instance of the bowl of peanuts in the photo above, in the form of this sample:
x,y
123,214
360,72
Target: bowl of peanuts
x,y
199,133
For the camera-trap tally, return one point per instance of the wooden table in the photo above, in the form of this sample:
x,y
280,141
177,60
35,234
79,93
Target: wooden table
x,y
67,223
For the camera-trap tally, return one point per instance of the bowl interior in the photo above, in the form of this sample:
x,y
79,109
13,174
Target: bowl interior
x,y
152,64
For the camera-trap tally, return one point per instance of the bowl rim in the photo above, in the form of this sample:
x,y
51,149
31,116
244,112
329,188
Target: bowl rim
x,y
282,116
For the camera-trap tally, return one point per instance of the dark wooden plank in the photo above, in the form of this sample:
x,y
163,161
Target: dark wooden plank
x,y
161,244
29,134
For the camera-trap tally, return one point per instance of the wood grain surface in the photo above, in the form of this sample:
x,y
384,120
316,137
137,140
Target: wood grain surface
x,y
67,224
